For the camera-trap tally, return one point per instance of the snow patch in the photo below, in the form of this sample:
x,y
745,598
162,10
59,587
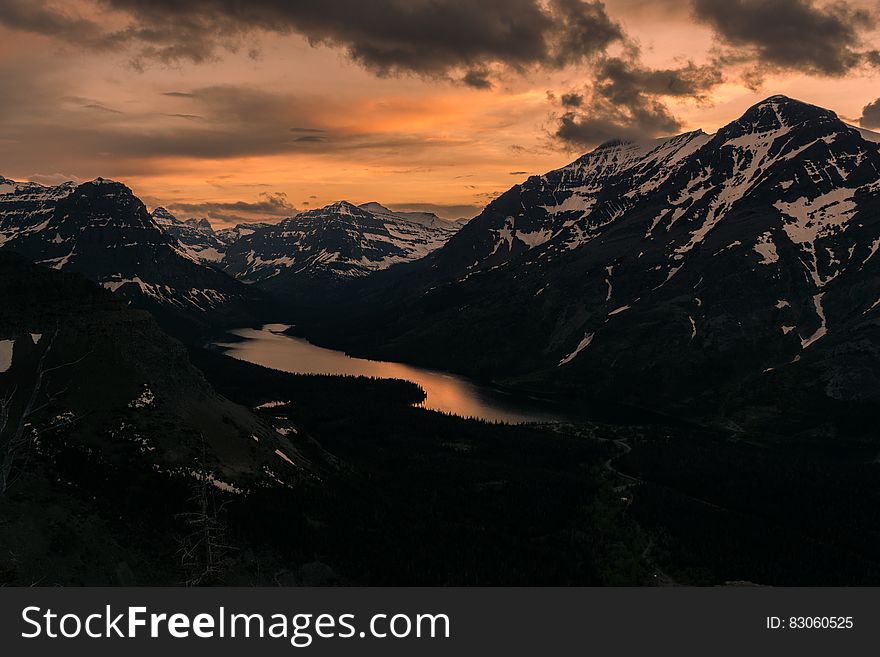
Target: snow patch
x,y
271,404
823,329
6,347
284,456
588,338
145,400
766,249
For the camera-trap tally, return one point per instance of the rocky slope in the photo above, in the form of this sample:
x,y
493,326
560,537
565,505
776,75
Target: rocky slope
x,y
102,230
338,242
702,273
112,444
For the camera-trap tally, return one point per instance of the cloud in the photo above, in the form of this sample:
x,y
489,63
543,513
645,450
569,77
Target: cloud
x,y
215,122
102,108
871,115
436,38
478,79
87,103
472,43
584,30
52,179
41,17
447,211
269,206
624,101
791,34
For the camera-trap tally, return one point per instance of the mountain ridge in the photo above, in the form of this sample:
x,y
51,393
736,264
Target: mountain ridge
x,y
672,274
102,230
335,243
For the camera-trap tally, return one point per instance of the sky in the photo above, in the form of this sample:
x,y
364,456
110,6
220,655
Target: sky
x,y
252,110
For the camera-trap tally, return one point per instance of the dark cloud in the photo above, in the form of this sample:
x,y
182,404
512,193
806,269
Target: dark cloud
x,y
606,123
791,34
623,80
269,206
518,173
478,79
623,101
41,17
584,29
462,40
433,38
871,115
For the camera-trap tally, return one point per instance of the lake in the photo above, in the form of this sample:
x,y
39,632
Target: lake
x,y
270,347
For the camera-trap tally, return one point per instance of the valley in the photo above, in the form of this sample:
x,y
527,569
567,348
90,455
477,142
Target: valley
x,y
659,363
444,392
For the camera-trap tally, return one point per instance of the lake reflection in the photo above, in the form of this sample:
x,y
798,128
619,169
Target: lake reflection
x,y
269,347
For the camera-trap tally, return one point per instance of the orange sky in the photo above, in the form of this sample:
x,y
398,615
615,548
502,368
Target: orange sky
x,y
309,123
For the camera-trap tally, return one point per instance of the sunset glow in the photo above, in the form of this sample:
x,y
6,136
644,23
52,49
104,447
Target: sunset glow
x,y
269,116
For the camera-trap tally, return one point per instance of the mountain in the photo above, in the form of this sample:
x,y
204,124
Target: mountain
x,y
332,244
314,249
112,443
102,230
427,219
120,376
197,236
719,276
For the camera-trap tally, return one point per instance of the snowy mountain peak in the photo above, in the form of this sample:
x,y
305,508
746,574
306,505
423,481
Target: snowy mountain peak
x,y
614,143
343,208
163,217
103,231
779,113
337,242
755,251
201,224
170,222
374,206
427,219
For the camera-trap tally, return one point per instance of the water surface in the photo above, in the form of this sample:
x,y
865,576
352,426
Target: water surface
x,y
446,392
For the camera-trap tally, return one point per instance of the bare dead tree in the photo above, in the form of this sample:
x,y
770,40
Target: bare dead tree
x,y
5,406
203,550
20,435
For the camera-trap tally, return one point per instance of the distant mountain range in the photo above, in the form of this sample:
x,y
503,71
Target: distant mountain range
x,y
724,275
337,242
183,270
196,236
